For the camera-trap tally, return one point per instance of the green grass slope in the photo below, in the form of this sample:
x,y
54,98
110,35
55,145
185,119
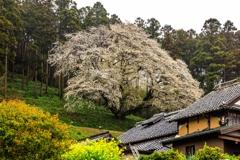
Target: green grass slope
x,y
83,122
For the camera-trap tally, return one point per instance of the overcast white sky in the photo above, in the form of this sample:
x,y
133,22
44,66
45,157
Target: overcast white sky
x,y
180,14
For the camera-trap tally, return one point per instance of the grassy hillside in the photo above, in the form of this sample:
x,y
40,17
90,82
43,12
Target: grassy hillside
x,y
84,122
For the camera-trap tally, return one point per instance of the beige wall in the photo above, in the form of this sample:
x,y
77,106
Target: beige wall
x,y
214,122
198,142
198,123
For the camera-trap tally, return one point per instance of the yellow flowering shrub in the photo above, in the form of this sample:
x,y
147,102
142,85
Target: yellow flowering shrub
x,y
94,150
28,133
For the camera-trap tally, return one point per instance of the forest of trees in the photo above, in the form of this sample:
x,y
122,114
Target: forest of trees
x,y
29,28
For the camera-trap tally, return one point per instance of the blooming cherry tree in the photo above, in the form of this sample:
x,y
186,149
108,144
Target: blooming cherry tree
x,y
123,67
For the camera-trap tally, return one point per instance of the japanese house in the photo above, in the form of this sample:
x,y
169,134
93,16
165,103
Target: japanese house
x,y
214,119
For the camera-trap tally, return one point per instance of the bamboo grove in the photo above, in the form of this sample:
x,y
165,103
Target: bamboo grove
x,y
28,29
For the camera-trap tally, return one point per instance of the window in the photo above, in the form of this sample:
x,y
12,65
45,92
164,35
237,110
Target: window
x,y
190,150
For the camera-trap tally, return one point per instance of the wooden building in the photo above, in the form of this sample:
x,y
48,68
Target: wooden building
x,y
214,119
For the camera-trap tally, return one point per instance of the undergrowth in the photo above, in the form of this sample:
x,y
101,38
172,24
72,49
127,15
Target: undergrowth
x,y
100,117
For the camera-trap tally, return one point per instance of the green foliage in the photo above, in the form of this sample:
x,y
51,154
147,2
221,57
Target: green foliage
x,y
139,22
28,133
153,28
133,96
212,153
193,157
84,117
115,19
171,154
96,150
68,18
229,157
206,153
96,16
209,153
168,38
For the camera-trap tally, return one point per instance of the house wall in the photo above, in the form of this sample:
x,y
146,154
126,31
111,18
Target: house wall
x,y
231,147
233,118
198,142
214,122
197,123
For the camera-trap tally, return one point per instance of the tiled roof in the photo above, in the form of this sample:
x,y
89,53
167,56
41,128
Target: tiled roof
x,y
152,145
153,119
95,137
148,130
211,102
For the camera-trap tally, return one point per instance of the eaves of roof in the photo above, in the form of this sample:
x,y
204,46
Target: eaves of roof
x,y
201,133
196,134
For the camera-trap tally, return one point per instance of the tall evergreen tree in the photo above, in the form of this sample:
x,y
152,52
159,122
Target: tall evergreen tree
x,y
115,19
153,28
40,33
167,40
139,22
190,46
68,18
68,21
228,32
10,24
96,16
208,64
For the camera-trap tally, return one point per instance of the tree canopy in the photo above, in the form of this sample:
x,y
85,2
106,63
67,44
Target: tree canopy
x,y
28,29
125,68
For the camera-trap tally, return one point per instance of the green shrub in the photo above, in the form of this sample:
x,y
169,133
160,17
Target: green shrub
x,y
28,133
209,153
171,154
95,150
145,157
213,153
206,153
191,157
229,157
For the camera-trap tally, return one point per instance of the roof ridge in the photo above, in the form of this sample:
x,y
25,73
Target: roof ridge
x,y
226,84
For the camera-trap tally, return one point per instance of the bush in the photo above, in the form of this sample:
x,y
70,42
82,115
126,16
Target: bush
x,y
229,157
95,150
191,157
28,133
171,154
209,153
206,153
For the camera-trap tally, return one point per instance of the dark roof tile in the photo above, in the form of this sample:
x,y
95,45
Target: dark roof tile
x,y
211,102
152,145
98,136
150,131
